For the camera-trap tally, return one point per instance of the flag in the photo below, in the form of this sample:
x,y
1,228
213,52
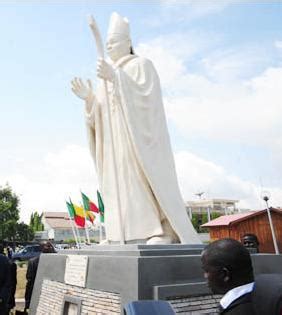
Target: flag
x,y
79,216
88,204
90,216
101,207
70,209
79,211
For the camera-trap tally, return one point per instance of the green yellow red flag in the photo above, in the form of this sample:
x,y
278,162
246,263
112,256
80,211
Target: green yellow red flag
x,y
101,207
88,204
79,215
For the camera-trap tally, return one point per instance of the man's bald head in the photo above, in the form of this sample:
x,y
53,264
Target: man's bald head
x,y
227,264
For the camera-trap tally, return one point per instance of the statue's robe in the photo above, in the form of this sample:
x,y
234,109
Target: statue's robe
x,y
148,187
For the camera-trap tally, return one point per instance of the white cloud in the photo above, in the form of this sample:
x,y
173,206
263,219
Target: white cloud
x,y
54,179
171,53
195,174
215,103
247,111
175,10
231,64
278,44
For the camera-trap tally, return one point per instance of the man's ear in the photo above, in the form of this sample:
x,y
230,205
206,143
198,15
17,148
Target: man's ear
x,y
226,274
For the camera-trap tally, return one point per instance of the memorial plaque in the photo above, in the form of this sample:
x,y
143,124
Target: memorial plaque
x,y
76,270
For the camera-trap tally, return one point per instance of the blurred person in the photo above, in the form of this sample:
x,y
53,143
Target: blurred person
x,y
5,282
46,247
13,279
9,252
251,242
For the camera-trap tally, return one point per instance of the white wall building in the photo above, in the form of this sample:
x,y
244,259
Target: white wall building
x,y
222,206
57,227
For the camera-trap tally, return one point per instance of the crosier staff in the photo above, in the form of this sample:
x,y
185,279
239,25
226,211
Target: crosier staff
x,y
100,53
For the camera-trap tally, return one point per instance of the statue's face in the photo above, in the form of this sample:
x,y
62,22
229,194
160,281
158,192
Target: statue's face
x,y
117,46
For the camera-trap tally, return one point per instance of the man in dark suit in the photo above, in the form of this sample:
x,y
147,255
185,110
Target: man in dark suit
x,y
5,282
228,268
13,286
46,247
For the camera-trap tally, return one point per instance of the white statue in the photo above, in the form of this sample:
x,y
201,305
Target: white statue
x,y
152,209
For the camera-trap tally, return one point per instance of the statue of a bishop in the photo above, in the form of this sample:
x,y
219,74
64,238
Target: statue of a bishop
x,y
151,208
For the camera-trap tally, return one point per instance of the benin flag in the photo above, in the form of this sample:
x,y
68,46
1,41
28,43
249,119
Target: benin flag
x,y
70,209
101,207
90,216
88,204
79,217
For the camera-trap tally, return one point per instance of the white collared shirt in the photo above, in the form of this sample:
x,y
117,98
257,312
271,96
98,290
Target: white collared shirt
x,y
235,293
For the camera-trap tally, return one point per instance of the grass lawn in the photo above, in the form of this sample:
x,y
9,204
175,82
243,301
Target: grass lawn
x,y
21,280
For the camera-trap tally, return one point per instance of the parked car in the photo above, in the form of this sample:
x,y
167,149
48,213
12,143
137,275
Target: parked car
x,y
27,253
62,246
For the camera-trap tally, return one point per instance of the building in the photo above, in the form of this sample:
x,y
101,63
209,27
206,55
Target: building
x,y
254,222
57,227
222,206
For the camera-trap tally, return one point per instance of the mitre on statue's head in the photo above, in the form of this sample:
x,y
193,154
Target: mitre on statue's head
x,y
118,25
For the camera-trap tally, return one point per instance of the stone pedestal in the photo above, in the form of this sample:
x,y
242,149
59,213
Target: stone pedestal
x,y
115,275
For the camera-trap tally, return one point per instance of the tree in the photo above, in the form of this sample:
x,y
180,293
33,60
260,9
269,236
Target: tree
x,y
24,232
201,218
35,222
9,213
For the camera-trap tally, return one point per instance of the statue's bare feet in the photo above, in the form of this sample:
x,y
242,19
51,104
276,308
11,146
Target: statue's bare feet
x,y
104,242
159,240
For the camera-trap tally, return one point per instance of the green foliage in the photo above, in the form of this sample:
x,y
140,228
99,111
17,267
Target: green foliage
x,y
9,213
215,215
201,218
23,232
10,229
35,222
69,241
72,241
195,221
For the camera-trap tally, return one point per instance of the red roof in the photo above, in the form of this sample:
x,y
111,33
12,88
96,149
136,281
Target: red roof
x,y
231,219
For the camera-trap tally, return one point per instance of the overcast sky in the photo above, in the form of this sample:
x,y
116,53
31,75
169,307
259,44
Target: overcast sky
x,y
220,66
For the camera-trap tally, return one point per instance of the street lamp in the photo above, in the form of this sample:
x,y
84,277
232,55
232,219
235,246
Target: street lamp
x,y
265,195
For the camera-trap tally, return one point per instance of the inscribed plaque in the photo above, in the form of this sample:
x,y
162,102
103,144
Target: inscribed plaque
x,y
76,270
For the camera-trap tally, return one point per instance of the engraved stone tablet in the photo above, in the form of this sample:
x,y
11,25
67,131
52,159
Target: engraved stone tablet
x,y
76,270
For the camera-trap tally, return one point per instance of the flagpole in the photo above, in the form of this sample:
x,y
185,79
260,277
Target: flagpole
x,y
79,237
265,197
85,225
87,233
100,232
73,231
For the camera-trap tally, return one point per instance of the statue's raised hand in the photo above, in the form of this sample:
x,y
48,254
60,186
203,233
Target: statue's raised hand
x,y
105,71
82,90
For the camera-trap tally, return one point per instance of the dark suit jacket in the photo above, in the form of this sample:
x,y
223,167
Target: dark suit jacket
x,y
267,294
241,306
5,283
30,277
13,279
265,299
